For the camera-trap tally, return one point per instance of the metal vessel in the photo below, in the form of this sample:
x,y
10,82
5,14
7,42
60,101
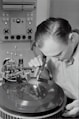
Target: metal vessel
x,y
32,100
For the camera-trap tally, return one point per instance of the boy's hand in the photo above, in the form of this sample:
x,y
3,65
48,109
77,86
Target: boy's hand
x,y
72,109
35,62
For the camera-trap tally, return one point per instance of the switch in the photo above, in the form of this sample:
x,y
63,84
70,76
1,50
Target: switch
x,y
18,20
18,37
6,31
29,31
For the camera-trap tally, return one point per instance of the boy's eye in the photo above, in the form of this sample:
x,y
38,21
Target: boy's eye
x,y
59,54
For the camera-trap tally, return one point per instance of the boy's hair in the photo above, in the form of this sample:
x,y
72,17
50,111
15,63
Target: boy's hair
x,y
54,26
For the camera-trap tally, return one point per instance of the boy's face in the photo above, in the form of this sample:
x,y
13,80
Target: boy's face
x,y
52,48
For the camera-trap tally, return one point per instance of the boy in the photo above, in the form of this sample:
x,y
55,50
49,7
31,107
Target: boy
x,y
57,41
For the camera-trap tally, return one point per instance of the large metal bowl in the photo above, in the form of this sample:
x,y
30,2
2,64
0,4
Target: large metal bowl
x,y
33,100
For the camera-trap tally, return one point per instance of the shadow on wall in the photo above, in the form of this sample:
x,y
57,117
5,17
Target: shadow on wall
x,y
68,9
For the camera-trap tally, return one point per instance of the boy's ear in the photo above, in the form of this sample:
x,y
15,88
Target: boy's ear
x,y
71,36
74,37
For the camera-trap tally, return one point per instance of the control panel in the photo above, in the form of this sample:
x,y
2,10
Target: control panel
x,y
17,20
